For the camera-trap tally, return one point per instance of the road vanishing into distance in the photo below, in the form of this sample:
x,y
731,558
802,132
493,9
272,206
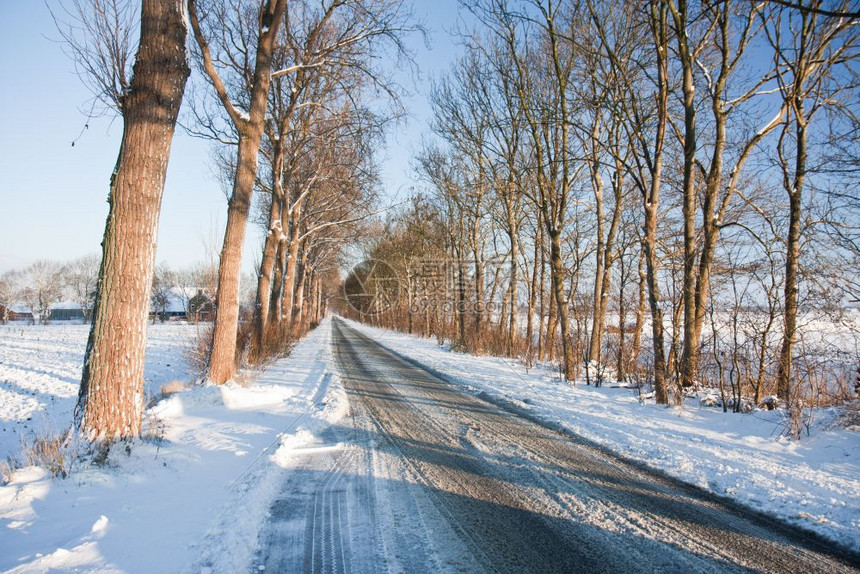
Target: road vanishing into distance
x,y
424,476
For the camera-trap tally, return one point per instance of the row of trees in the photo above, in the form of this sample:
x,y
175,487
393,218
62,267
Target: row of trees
x,y
685,168
295,95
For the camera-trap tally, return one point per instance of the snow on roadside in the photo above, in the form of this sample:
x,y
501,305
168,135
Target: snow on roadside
x,y
814,483
191,499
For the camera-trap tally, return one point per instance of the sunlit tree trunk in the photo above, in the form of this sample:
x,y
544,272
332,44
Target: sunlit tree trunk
x,y
223,358
110,400
270,252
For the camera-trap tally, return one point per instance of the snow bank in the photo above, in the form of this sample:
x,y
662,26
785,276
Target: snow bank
x,y
814,483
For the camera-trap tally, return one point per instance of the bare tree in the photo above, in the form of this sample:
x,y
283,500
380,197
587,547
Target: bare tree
x,y
41,287
110,399
81,279
540,71
713,54
808,50
9,292
163,284
98,36
261,29
645,110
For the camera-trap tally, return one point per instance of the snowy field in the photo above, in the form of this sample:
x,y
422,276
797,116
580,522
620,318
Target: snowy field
x,y
814,483
193,495
40,372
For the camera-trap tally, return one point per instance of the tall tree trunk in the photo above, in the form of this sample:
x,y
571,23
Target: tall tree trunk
x,y
223,358
652,201
561,302
622,322
649,246
545,338
479,288
110,400
290,276
278,282
318,298
640,311
689,366
299,299
479,308
605,259
792,260
534,285
511,342
594,343
461,300
410,300
270,252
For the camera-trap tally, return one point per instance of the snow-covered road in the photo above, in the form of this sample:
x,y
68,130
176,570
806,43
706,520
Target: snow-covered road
x,y
423,476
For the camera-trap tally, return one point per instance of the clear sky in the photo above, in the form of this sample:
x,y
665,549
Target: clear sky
x,y
53,194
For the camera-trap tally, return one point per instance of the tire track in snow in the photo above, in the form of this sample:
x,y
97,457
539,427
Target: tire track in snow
x,y
435,479
660,516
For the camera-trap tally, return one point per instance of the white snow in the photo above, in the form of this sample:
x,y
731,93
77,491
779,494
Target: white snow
x,y
814,482
194,495
191,497
40,371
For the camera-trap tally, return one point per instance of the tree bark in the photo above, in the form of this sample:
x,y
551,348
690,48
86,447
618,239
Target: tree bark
x,y
223,358
652,202
299,299
595,340
110,400
270,252
515,251
534,285
690,351
640,312
289,288
558,274
792,260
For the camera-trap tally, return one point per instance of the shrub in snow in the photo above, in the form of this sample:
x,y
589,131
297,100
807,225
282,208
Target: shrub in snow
x,y
769,403
173,387
710,401
459,348
197,349
50,451
597,373
746,405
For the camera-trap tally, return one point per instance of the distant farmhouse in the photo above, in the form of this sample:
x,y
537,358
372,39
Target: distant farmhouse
x,y
200,307
16,313
66,311
178,305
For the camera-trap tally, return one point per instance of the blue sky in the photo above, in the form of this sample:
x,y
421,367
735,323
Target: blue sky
x,y
54,195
